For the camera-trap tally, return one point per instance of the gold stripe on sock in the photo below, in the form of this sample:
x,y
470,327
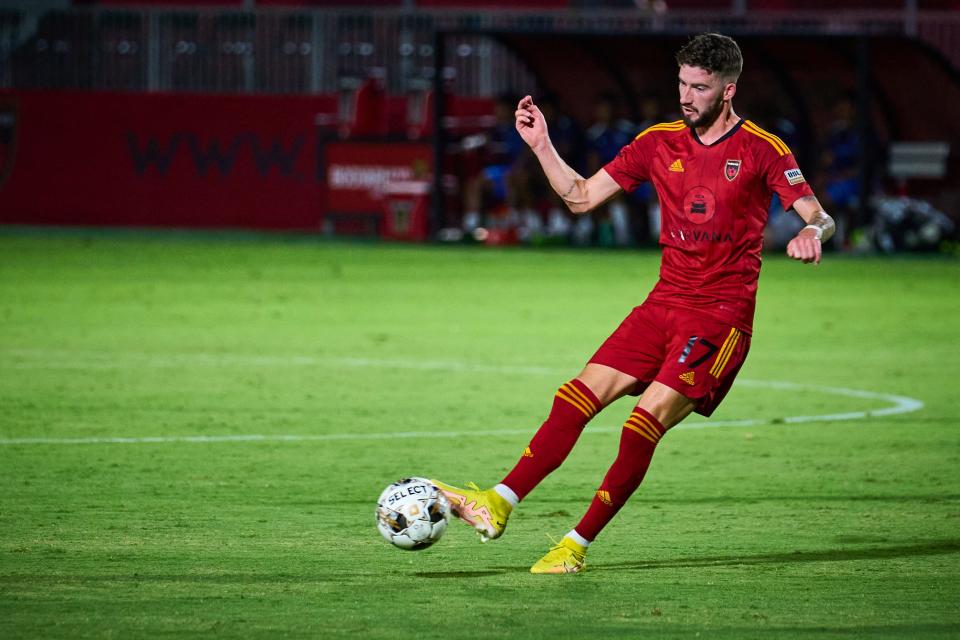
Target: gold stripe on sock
x,y
580,394
645,423
629,425
563,396
641,426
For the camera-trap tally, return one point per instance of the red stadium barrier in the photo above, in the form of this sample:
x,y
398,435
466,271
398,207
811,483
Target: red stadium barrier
x,y
184,160
81,158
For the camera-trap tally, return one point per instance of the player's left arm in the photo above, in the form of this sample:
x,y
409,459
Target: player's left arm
x,y
806,246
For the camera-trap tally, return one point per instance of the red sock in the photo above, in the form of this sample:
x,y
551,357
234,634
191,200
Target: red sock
x,y
638,441
573,407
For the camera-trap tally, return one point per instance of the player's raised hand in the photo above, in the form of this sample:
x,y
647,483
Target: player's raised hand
x,y
531,124
805,247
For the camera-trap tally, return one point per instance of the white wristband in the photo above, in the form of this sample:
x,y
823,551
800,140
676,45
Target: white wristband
x,y
819,230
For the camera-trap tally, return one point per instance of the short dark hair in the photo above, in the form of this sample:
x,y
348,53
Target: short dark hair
x,y
714,53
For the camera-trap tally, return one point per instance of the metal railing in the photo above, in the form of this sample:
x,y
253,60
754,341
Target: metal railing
x,y
261,51
325,51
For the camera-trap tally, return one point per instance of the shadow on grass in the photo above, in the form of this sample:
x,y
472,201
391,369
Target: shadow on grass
x,y
933,498
930,548
461,574
946,630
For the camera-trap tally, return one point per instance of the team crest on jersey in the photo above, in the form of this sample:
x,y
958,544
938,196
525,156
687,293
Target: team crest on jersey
x,y
794,176
732,169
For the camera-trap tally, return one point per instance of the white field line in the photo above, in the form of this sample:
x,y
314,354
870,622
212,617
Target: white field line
x,y
93,360
36,359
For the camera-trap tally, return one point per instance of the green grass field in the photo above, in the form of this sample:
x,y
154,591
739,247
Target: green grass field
x,y
385,361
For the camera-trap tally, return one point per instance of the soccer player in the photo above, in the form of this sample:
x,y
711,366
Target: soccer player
x,y
715,174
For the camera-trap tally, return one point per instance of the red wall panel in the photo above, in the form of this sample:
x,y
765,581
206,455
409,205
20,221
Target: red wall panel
x,y
170,160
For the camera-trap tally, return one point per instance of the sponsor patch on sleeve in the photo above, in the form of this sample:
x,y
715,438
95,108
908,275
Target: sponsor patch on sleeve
x,y
794,176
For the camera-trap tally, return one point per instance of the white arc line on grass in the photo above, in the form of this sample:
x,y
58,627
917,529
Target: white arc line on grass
x,y
899,404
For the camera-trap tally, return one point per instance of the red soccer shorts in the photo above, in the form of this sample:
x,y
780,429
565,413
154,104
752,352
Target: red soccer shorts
x,y
690,352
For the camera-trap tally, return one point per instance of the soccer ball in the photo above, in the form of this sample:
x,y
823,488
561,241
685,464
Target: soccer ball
x,y
412,513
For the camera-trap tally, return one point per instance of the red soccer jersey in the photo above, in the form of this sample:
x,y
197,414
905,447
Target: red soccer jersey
x,y
714,201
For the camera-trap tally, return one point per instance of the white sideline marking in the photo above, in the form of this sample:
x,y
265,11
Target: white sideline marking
x,y
95,360
899,404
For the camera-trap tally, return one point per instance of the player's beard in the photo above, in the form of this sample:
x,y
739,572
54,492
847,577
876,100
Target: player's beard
x,y
706,117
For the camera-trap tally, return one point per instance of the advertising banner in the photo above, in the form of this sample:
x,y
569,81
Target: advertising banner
x,y
358,173
214,161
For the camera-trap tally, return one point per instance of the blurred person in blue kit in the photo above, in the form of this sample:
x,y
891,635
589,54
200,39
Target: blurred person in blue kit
x,y
502,186
840,165
569,140
625,217
605,137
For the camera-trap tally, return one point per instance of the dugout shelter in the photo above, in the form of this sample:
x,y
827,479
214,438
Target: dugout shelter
x,y
904,89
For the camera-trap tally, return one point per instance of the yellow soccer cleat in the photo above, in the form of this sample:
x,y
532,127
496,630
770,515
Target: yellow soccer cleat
x,y
485,511
566,557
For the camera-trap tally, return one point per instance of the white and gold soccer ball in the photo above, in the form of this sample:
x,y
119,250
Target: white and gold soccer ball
x,y
412,513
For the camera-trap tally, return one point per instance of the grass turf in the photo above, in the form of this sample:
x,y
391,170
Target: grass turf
x,y
831,529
